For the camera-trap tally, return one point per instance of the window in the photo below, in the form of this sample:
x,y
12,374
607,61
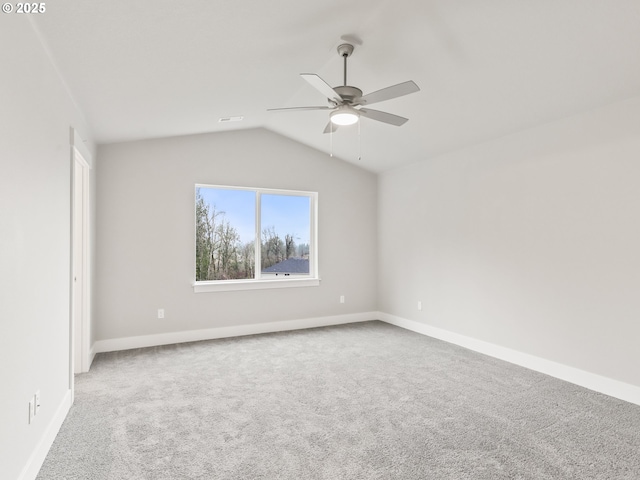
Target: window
x,y
254,238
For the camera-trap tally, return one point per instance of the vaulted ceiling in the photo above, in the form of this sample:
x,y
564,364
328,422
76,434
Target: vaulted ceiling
x,y
152,68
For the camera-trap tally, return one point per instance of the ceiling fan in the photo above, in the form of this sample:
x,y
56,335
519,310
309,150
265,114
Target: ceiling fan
x,y
344,99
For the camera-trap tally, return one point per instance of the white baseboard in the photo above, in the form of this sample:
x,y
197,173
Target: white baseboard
x,y
624,391
614,388
31,469
142,341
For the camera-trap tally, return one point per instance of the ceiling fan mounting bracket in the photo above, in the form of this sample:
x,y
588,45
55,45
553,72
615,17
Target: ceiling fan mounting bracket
x,y
345,50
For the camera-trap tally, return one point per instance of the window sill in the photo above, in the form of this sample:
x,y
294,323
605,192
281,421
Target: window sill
x,y
233,285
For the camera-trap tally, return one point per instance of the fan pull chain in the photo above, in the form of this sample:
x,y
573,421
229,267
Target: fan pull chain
x,y
359,143
331,139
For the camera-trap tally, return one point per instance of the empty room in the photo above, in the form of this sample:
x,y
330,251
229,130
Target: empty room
x,y
320,240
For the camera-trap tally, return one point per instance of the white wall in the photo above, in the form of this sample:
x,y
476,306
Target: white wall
x,y
36,114
530,242
146,233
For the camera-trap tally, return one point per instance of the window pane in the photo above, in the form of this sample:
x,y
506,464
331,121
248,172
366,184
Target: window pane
x,y
286,232
225,233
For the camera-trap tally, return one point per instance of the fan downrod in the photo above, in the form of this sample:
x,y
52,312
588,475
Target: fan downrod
x,y
345,50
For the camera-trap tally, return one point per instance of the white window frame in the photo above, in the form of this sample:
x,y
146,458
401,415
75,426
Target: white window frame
x,y
258,282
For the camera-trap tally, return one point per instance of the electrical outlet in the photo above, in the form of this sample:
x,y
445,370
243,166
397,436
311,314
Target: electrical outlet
x,y
341,298
161,313
419,305
36,406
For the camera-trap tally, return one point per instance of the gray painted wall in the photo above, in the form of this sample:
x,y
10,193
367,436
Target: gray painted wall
x,y
529,242
36,114
146,232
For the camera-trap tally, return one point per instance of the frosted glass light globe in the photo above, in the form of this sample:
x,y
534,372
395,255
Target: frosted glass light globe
x,y
344,115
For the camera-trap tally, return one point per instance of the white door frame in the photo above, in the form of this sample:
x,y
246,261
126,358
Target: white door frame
x,y
80,321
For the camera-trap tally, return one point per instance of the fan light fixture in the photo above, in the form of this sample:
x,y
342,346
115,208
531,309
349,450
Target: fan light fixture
x,y
344,115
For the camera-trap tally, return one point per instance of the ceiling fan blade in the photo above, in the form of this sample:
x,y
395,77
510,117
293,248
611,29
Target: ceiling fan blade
x,y
385,117
388,93
298,108
323,87
331,127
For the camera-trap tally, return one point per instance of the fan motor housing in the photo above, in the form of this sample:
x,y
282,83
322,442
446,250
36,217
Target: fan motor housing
x,y
348,94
